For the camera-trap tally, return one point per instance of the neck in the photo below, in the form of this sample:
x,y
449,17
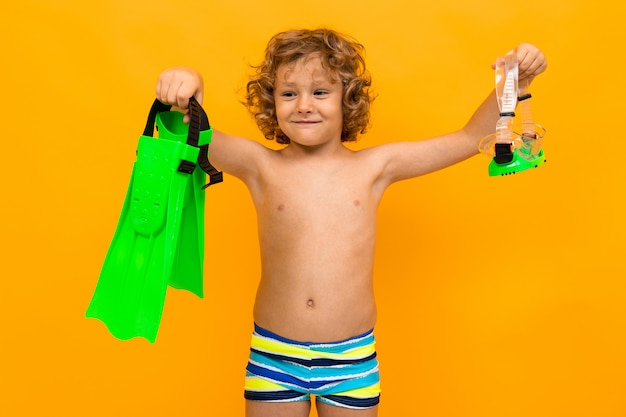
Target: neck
x,y
323,150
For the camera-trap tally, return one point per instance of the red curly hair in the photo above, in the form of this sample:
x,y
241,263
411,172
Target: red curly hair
x,y
340,55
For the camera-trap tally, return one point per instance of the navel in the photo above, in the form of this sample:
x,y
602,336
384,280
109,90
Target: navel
x,y
310,303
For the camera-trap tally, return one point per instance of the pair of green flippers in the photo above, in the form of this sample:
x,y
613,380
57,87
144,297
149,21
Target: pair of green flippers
x,y
159,239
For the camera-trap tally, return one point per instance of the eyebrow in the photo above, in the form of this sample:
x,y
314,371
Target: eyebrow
x,y
315,83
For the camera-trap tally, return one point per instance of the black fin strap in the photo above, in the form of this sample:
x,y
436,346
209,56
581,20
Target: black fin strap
x,y
200,122
215,176
157,107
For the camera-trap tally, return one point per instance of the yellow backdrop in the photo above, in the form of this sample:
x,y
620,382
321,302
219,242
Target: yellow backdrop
x,y
498,297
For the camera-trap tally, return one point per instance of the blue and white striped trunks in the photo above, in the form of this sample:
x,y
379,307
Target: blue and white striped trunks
x,y
341,373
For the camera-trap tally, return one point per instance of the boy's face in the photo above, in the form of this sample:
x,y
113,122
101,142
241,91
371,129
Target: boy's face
x,y
308,103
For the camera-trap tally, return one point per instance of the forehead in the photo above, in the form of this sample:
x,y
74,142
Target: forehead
x,y
305,69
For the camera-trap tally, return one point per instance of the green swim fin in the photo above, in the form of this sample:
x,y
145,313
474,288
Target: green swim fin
x,y
188,263
159,238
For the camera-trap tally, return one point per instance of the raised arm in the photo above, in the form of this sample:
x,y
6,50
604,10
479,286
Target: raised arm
x,y
234,155
404,160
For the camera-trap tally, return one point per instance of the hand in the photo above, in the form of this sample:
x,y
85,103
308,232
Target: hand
x,y
176,85
531,61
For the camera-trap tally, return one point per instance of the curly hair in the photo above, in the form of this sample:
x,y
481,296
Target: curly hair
x,y
340,55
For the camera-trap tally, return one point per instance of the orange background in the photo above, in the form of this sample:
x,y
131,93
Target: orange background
x,y
498,297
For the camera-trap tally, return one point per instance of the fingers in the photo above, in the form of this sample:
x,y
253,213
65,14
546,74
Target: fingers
x,y
531,61
176,85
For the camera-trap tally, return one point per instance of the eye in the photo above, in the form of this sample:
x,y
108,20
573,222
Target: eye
x,y
320,92
288,94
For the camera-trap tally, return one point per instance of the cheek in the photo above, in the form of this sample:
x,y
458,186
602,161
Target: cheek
x,y
280,110
339,107
281,115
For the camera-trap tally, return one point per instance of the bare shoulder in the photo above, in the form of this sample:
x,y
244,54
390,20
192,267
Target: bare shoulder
x,y
380,160
237,156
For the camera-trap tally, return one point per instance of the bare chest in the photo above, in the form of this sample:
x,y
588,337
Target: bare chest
x,y
318,198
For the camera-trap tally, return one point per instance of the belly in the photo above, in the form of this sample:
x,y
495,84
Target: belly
x,y
323,309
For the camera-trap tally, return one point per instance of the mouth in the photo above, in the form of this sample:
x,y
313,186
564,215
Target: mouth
x,y
305,122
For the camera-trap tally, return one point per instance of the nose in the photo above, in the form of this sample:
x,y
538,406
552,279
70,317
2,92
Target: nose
x,y
304,104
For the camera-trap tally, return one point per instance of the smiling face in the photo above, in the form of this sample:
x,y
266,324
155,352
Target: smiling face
x,y
308,103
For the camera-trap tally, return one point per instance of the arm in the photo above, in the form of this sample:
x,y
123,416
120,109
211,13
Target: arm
x,y
404,160
236,156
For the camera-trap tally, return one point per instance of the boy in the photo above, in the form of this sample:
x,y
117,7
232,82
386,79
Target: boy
x,y
316,204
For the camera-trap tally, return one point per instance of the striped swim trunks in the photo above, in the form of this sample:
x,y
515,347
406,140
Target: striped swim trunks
x,y
343,374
